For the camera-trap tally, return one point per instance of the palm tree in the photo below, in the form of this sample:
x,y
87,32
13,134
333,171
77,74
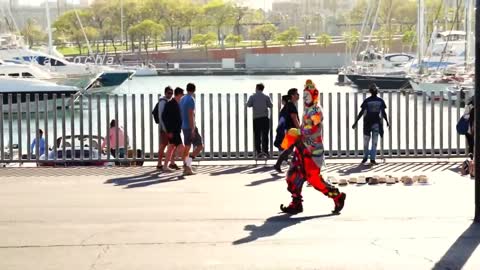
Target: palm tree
x,y
324,40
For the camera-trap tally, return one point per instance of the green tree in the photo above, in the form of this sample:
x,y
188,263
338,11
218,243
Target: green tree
x,y
409,38
288,37
168,12
384,38
391,11
145,31
205,40
351,38
233,39
91,33
219,14
68,26
101,16
32,32
190,12
264,33
133,14
324,40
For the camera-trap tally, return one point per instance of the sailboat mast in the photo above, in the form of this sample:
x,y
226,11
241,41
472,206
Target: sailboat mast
x,y
49,27
420,33
468,30
121,23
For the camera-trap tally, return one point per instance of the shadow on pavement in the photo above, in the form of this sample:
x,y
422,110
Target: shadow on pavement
x,y
263,181
251,169
349,169
145,179
459,253
272,226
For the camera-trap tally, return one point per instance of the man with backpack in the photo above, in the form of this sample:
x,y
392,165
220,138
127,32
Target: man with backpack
x,y
172,119
157,116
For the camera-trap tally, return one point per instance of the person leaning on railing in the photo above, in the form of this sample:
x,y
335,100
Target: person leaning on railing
x,y
112,135
260,103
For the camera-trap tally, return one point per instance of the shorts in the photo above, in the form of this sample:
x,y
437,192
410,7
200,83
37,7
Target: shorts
x,y
163,138
187,137
175,139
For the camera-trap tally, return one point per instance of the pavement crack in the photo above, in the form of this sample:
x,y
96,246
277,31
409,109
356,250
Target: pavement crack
x,y
88,238
375,244
100,254
116,244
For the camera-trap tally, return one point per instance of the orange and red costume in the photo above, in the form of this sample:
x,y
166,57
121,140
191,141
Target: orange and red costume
x,y
309,155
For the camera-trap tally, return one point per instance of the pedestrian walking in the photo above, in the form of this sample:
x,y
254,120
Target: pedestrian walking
x,y
157,115
190,130
309,156
373,110
260,103
465,126
280,131
172,119
290,114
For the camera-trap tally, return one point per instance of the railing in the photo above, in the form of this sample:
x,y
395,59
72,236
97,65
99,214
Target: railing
x,y
420,126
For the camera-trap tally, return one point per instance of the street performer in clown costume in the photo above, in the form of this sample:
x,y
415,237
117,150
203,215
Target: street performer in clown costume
x,y
309,155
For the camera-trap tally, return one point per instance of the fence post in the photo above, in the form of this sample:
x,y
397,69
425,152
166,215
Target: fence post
x,y
55,134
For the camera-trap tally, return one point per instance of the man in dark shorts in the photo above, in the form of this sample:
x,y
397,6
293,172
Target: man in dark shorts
x,y
159,108
190,131
173,124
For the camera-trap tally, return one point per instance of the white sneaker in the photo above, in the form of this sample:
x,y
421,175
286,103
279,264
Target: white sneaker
x,y
188,162
167,170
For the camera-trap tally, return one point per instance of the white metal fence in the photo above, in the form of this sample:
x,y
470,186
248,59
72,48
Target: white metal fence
x,y
420,126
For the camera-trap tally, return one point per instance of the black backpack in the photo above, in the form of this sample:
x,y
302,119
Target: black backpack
x,y
155,112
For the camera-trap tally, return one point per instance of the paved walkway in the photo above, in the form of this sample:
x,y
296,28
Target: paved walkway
x,y
226,217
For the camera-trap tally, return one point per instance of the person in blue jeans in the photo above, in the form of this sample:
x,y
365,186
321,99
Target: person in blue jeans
x,y
373,108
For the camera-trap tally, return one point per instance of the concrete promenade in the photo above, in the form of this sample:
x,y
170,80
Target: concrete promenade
x,y
227,217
